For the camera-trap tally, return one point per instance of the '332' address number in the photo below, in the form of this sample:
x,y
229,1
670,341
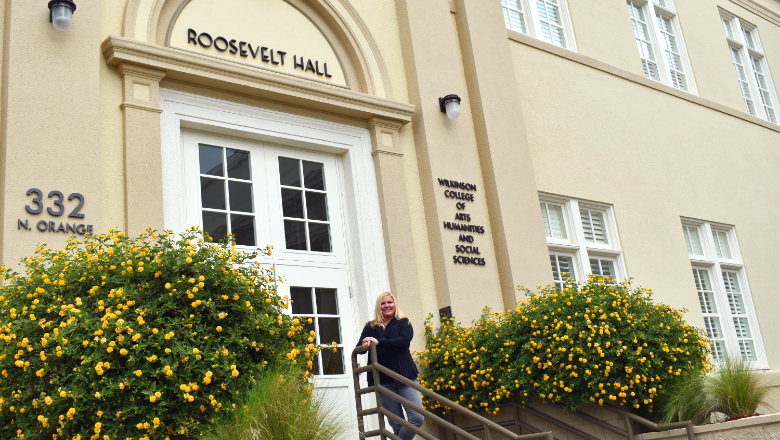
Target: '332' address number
x,y
58,199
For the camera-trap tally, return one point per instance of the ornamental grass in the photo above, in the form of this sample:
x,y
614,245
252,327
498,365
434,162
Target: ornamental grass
x,y
278,406
596,342
151,337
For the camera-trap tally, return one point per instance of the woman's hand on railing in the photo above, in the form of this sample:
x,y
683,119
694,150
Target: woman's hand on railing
x,y
367,342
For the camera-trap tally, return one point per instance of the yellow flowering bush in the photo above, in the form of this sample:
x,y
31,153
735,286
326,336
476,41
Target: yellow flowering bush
x,y
599,341
137,338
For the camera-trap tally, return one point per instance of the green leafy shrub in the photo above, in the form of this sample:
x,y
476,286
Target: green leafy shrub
x,y
600,342
137,338
279,406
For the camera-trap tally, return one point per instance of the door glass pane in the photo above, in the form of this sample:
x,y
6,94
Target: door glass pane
x,y
210,160
215,224
295,235
301,300
292,203
289,172
212,193
325,322
326,302
238,164
243,228
313,175
333,363
240,196
319,235
316,206
330,331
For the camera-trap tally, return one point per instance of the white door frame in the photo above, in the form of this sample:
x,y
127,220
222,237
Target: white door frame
x,y
352,145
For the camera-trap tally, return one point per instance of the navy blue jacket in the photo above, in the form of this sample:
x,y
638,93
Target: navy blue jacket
x,y
393,349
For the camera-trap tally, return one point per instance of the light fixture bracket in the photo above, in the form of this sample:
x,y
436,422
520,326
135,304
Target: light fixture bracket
x,y
447,99
68,3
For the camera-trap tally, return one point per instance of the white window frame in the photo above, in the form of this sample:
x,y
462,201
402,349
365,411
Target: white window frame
x,y
650,9
531,20
576,246
738,42
716,266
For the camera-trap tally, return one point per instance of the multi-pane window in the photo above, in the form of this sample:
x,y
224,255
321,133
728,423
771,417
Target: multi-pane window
x,y
709,309
304,205
719,277
603,266
753,77
659,40
552,217
692,240
321,306
546,20
582,239
593,226
562,267
226,194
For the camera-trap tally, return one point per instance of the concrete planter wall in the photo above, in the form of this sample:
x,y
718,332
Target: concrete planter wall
x,y
753,428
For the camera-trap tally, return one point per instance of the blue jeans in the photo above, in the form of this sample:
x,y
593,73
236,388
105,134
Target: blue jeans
x,y
397,408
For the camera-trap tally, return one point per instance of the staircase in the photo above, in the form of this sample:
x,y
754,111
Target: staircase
x,y
470,423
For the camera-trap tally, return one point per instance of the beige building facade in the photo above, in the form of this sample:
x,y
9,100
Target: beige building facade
x,y
630,138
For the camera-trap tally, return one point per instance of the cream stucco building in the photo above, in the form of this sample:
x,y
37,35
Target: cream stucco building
x,y
630,138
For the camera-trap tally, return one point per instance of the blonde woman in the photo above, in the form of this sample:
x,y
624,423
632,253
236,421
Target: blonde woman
x,y
392,333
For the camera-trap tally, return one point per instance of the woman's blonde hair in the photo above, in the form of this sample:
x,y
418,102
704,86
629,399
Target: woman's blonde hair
x,y
379,320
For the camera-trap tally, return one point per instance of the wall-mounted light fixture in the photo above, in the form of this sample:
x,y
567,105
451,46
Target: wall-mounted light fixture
x,y
450,104
61,14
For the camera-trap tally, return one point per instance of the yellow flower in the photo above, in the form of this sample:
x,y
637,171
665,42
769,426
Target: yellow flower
x,y
138,373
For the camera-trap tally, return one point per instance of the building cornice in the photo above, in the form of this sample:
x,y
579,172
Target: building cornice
x,y
761,11
638,79
217,73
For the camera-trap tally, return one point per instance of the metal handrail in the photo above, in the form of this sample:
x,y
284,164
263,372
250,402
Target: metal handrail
x,y
688,425
375,368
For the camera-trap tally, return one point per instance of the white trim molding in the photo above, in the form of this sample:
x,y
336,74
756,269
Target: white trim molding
x,y
352,145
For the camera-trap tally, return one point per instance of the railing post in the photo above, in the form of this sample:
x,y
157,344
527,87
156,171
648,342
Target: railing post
x,y
358,397
629,427
374,361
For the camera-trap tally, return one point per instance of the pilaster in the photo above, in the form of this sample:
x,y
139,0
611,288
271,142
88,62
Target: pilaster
x,y
142,156
394,208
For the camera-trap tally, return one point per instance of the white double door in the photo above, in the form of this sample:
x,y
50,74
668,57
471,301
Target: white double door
x,y
291,199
